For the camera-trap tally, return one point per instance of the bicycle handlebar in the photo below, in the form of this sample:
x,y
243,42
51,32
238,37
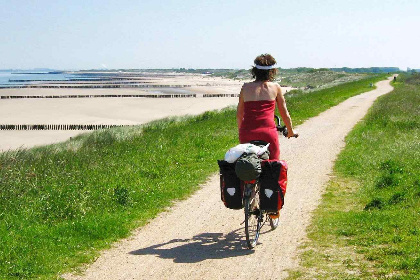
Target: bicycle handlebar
x,y
282,129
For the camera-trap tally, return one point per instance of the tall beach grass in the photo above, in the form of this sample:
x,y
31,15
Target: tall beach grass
x,y
304,105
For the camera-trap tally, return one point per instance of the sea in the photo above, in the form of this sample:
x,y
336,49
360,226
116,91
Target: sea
x,y
18,78
10,79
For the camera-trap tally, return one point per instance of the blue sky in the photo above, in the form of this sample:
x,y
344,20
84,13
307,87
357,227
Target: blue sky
x,y
208,34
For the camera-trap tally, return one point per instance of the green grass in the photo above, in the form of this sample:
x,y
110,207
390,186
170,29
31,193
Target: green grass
x,y
368,224
317,78
309,78
304,105
60,204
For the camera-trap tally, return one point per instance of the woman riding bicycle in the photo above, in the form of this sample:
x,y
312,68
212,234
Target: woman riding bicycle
x,y
257,102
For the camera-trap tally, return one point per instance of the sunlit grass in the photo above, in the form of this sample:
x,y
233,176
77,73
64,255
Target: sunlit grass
x,y
59,201
318,78
304,105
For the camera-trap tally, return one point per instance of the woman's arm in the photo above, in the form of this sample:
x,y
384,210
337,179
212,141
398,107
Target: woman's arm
x,y
240,110
284,113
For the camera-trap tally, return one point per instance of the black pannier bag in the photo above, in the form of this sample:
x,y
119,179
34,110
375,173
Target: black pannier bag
x,y
231,187
273,183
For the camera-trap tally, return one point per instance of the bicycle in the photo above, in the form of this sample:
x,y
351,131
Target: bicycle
x,y
255,218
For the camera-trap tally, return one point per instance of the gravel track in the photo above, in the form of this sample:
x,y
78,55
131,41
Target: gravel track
x,y
200,239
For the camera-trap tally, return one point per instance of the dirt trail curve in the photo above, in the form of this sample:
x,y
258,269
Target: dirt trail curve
x,y
200,239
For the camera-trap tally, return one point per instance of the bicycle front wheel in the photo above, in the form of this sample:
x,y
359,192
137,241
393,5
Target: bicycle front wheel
x,y
253,220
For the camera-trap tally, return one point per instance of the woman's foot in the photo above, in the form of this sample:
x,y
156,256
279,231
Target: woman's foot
x,y
274,215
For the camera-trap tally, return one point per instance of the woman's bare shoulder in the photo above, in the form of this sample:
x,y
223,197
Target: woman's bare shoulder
x,y
274,84
247,85
276,87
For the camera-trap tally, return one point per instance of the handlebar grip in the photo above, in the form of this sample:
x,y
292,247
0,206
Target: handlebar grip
x,y
282,129
285,132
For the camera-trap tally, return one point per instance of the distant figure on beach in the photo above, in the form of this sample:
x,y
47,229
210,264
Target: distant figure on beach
x,y
257,102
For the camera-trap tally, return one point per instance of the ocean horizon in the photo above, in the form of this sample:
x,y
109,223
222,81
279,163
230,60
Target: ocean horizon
x,y
19,78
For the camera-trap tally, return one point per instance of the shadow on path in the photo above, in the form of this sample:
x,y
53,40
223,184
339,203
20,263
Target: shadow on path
x,y
198,248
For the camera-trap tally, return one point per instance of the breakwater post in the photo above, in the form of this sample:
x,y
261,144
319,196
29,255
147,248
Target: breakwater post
x,y
58,126
189,95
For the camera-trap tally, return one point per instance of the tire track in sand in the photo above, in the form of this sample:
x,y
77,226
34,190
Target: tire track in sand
x,y
200,239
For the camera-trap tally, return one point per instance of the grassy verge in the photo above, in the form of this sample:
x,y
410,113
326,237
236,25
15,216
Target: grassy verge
x,y
368,224
60,204
309,78
304,105
317,78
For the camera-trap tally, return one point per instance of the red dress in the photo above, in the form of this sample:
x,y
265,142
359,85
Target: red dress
x,y
258,124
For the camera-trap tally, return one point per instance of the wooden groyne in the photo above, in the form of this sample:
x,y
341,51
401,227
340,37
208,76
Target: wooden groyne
x,y
82,85
221,95
57,126
63,81
187,95
193,95
85,81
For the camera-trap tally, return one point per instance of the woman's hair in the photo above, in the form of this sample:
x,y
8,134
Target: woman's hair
x,y
264,75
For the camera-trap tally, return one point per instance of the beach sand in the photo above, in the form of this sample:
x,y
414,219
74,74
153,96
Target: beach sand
x,y
115,110
128,111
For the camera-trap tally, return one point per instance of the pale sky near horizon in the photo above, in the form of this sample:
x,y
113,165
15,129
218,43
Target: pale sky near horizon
x,y
208,34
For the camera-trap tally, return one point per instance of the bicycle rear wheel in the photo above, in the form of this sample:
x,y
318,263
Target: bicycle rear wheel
x,y
253,220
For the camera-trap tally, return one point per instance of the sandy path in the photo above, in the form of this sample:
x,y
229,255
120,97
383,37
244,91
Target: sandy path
x,y
200,239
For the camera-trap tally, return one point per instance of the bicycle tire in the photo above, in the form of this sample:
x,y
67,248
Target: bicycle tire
x,y
253,221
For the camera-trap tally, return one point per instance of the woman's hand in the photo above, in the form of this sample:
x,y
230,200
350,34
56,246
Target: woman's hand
x,y
284,113
291,133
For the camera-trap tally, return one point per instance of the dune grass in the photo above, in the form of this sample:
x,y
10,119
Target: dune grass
x,y
60,204
317,78
368,224
304,105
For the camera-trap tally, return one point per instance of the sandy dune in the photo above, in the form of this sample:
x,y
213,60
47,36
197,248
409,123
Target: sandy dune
x,y
200,239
